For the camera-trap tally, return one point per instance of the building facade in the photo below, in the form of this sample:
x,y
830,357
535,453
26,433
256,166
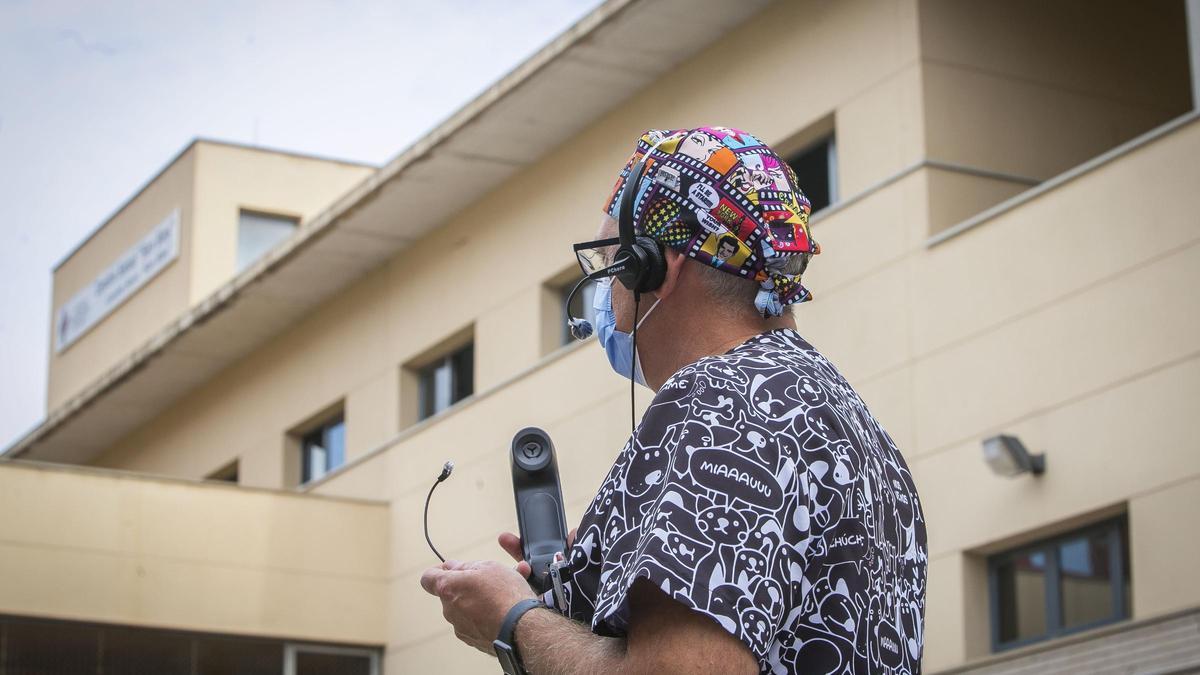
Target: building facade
x,y
259,365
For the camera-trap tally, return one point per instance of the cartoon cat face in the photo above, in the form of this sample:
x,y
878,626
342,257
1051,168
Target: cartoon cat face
x,y
749,566
766,401
724,525
755,439
776,397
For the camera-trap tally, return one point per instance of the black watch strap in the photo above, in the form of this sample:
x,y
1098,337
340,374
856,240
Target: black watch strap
x,y
505,645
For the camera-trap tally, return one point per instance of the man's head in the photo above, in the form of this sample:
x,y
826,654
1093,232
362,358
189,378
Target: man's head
x,y
713,192
720,198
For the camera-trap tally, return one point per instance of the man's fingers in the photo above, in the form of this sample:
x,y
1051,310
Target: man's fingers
x,y
511,544
430,578
523,569
571,537
434,579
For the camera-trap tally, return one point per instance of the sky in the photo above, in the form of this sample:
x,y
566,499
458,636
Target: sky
x,y
95,98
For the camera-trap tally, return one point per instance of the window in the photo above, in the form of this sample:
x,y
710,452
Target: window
x,y
49,646
134,650
259,233
323,449
307,659
581,306
1058,586
235,655
446,381
816,172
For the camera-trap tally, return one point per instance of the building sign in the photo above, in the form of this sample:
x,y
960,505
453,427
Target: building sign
x,y
123,278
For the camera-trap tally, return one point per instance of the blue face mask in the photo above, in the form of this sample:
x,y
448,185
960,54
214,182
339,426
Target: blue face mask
x,y
617,345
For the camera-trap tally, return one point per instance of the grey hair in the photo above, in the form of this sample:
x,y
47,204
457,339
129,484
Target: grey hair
x,y
736,294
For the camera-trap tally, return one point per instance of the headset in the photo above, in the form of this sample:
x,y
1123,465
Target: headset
x,y
644,261
639,263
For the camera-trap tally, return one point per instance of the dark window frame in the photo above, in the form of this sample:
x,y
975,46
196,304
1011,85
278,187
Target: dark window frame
x,y
828,142
106,640
1116,531
320,434
461,387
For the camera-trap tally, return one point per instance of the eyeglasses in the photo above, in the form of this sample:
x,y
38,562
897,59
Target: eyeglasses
x,y
595,256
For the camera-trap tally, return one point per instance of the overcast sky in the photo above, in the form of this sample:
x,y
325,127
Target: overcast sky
x,y
96,97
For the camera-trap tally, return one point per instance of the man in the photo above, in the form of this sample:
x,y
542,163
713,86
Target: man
x,y
760,520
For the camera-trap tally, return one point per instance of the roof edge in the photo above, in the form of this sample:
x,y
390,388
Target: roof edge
x,y
500,88
198,140
280,151
322,223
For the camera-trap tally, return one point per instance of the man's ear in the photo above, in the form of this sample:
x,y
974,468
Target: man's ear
x,y
675,261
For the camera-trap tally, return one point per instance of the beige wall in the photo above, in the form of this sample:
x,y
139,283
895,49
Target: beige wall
x,y
209,182
1165,555
117,548
1033,88
230,178
1028,89
142,314
1067,321
1093,362
400,310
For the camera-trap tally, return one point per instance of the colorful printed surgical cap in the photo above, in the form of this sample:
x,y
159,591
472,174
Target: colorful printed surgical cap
x,y
724,198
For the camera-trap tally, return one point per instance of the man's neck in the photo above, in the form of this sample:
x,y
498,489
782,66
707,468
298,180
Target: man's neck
x,y
679,341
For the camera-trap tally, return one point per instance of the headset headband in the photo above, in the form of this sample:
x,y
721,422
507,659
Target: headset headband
x,y
629,193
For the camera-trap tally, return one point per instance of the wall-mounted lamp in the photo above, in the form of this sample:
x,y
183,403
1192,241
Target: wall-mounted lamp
x,y
1007,456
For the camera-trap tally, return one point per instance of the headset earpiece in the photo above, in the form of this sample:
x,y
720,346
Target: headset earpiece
x,y
647,264
655,269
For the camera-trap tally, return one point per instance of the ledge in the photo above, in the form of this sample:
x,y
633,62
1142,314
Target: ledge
x,y
1063,178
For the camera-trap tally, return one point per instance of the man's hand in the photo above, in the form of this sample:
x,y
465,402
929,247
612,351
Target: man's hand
x,y
664,636
476,595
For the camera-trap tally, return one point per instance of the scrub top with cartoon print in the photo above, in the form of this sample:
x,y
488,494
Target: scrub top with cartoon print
x,y
762,493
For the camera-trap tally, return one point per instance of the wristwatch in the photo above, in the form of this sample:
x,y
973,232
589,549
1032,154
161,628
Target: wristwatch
x,y
505,645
